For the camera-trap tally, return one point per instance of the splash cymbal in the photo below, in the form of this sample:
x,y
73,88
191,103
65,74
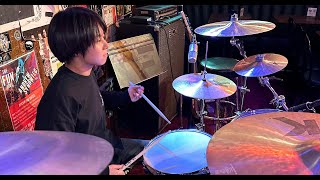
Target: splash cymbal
x,y
212,87
53,153
261,65
219,63
277,143
234,28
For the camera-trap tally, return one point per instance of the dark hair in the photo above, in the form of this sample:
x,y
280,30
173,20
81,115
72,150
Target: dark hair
x,y
72,31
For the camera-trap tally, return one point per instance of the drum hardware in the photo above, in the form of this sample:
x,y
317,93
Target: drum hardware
x,y
278,143
221,120
201,126
278,101
126,167
306,106
53,153
262,65
250,112
234,28
243,88
192,60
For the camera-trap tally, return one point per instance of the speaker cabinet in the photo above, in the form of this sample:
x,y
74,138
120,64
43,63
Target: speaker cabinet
x,y
169,37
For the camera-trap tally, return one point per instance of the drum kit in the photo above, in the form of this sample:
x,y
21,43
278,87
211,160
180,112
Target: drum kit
x,y
206,87
258,142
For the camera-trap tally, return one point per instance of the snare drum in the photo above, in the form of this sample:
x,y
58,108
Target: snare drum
x,y
256,111
179,152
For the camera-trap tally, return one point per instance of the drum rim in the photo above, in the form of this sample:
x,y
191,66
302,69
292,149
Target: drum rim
x,y
178,130
246,112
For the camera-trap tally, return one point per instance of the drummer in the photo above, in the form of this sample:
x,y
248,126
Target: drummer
x,y
72,100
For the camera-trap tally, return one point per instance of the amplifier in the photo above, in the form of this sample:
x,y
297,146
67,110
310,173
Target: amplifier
x,y
157,12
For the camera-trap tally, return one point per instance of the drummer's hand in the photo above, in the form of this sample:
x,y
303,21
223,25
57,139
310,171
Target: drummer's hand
x,y
135,92
115,169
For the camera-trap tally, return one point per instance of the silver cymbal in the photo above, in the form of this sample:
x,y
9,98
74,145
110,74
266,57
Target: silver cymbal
x,y
213,87
276,143
234,28
261,65
53,153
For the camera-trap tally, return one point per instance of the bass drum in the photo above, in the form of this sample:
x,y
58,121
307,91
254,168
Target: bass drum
x,y
255,111
179,152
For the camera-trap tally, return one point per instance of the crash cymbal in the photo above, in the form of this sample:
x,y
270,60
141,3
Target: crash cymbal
x,y
219,63
277,143
234,28
261,65
212,87
53,153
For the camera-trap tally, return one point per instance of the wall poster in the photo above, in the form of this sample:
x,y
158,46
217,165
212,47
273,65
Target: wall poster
x,y
23,90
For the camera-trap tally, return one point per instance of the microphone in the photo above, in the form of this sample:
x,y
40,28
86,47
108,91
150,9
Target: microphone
x,y
307,105
193,50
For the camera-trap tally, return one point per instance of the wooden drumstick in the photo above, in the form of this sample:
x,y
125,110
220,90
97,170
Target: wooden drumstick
x,y
153,106
126,166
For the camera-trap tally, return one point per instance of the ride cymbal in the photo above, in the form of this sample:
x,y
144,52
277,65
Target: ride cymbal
x,y
234,28
277,143
211,87
261,65
53,153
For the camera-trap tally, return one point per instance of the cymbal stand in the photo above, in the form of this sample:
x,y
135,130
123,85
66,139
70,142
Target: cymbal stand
x,y
200,126
243,89
279,100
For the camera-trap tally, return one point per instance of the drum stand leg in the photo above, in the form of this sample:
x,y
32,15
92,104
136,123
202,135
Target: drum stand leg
x,y
243,89
201,126
279,101
217,125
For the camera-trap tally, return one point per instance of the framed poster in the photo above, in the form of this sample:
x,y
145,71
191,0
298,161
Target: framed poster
x,y
23,90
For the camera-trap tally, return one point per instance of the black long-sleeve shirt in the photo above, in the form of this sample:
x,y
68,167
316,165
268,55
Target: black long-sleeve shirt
x,y
73,102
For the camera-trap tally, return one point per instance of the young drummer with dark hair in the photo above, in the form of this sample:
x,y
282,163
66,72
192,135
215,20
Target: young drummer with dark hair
x,y
72,101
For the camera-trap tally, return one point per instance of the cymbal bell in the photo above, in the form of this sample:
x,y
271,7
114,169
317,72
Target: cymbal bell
x,y
276,143
234,28
210,86
53,153
261,65
219,63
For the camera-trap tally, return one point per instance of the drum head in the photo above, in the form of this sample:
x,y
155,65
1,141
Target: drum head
x,y
179,152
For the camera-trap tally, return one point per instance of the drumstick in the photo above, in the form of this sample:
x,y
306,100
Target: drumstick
x,y
153,106
143,152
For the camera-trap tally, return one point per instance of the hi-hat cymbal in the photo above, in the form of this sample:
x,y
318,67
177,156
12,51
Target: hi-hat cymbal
x,y
278,143
219,63
261,65
53,153
212,87
234,28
